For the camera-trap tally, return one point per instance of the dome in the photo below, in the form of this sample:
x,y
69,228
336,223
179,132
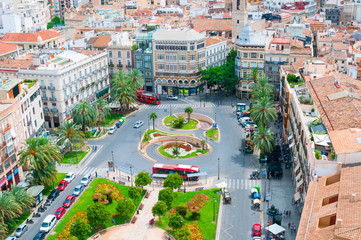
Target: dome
x,y
39,39
247,30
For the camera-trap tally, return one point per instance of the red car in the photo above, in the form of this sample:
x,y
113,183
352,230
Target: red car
x,y
256,230
68,201
59,212
62,185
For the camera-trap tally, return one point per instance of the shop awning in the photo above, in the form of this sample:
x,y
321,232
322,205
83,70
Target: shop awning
x,y
275,229
102,92
3,181
159,175
35,190
297,196
299,184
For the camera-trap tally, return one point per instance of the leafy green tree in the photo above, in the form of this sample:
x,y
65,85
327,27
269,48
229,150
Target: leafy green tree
x,y
159,209
262,88
39,153
182,209
227,74
80,229
182,234
263,111
291,78
143,179
135,47
134,192
153,117
173,181
179,122
9,208
175,221
70,135
188,111
49,25
253,75
122,90
43,176
72,237
21,196
84,114
211,75
103,109
98,215
56,20
125,206
166,195
264,139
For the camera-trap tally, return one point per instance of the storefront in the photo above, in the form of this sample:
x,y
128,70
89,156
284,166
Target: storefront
x,y
180,90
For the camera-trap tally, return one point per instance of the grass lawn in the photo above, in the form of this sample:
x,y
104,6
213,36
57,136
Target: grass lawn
x,y
146,135
193,154
73,156
48,189
86,199
89,134
215,134
110,120
206,224
14,223
190,125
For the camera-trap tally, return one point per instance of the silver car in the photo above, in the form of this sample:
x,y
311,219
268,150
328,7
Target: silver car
x,y
78,189
138,124
20,230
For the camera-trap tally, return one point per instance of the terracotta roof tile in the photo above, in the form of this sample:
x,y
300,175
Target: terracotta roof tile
x,y
31,37
102,41
281,40
7,47
16,63
213,24
214,40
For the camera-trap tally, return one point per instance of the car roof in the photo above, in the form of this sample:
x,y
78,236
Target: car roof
x,y
79,185
39,234
257,225
70,196
87,175
62,181
49,217
70,173
60,208
55,190
21,225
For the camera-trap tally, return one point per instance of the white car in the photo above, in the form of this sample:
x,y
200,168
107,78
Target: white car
x,y
86,179
48,223
69,177
172,97
138,124
111,130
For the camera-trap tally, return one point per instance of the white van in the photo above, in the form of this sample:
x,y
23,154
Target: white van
x,y
48,223
245,119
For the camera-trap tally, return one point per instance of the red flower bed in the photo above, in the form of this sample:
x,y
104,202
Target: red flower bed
x,y
157,135
197,202
173,210
186,147
65,233
196,233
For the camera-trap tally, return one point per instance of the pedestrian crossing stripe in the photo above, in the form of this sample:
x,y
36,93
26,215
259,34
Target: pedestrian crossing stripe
x,y
176,106
242,184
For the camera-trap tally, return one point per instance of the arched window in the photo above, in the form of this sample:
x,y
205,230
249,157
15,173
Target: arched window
x,y
180,82
193,82
175,81
169,81
164,81
159,81
185,82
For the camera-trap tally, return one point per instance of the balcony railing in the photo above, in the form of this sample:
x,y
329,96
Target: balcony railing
x,y
42,87
54,110
44,98
53,99
46,109
6,128
4,157
51,88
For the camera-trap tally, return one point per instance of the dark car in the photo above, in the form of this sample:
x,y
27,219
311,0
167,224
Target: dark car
x,y
40,236
53,195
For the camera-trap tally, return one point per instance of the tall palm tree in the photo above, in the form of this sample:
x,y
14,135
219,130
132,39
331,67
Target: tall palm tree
x,y
9,207
84,114
262,88
263,111
3,230
136,78
70,134
253,75
39,153
153,116
21,196
189,111
122,91
103,109
45,176
264,139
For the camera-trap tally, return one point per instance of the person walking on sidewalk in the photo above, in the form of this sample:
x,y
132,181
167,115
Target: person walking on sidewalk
x,y
289,212
289,225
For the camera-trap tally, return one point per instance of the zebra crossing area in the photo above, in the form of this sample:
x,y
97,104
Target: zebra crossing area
x,y
178,106
101,172
242,184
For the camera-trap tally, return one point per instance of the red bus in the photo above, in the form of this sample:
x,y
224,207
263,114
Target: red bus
x,y
142,96
181,169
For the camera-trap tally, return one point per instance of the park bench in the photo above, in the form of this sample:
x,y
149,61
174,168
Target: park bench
x,y
199,188
121,183
147,194
134,219
141,206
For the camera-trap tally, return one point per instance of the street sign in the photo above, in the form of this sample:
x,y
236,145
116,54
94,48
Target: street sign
x,y
110,166
214,125
268,196
263,172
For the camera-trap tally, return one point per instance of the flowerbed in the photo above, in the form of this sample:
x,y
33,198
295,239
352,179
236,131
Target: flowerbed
x,y
197,202
65,233
196,233
104,187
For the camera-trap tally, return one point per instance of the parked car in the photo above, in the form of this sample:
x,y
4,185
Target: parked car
x,y
245,120
10,238
172,97
78,189
48,223
68,201
69,177
256,230
20,230
244,124
53,195
138,124
40,236
62,185
256,238
111,130
59,212
86,179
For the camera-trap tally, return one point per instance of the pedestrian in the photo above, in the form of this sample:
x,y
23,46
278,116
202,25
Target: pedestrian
x,y
289,225
294,228
284,213
289,213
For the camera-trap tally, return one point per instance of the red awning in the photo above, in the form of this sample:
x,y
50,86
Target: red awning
x,y
3,181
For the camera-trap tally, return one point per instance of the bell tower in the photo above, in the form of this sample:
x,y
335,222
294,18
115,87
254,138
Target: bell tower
x,y
239,18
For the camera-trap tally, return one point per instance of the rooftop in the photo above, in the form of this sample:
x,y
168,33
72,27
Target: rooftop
x,y
31,37
8,84
332,209
214,40
187,35
213,24
7,47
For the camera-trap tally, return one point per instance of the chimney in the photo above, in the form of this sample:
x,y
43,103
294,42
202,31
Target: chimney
x,y
338,223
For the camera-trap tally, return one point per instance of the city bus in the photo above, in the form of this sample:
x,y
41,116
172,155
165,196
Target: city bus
x,y
181,169
150,98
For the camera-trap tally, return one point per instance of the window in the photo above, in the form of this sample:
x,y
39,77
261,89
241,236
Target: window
x,y
161,66
260,55
183,57
33,110
160,56
329,200
253,64
192,67
237,21
119,54
183,67
253,55
110,54
244,85
192,57
171,57
245,55
245,64
171,67
192,47
260,65
147,65
128,54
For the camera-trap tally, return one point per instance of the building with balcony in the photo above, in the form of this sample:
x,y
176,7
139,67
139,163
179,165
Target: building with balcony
x,y
251,48
66,78
119,52
12,136
216,48
177,57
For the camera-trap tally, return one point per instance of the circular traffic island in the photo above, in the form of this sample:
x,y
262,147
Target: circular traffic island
x,y
181,150
180,122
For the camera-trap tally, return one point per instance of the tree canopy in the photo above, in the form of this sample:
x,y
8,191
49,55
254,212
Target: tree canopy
x,y
80,229
98,215
166,195
159,209
143,179
173,181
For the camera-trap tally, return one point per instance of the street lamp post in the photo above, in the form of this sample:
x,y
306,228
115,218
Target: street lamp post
x,y
215,116
170,108
182,221
214,208
185,182
148,122
126,212
113,161
131,176
218,168
140,139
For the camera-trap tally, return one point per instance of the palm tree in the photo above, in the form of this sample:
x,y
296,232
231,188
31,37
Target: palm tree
x,y
103,109
203,143
84,114
70,134
45,176
264,139
136,78
189,111
153,116
39,153
9,207
263,111
22,197
262,88
122,91
253,75
3,230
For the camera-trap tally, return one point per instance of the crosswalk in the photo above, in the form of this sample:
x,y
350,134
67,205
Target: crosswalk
x,y
178,106
91,170
242,184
